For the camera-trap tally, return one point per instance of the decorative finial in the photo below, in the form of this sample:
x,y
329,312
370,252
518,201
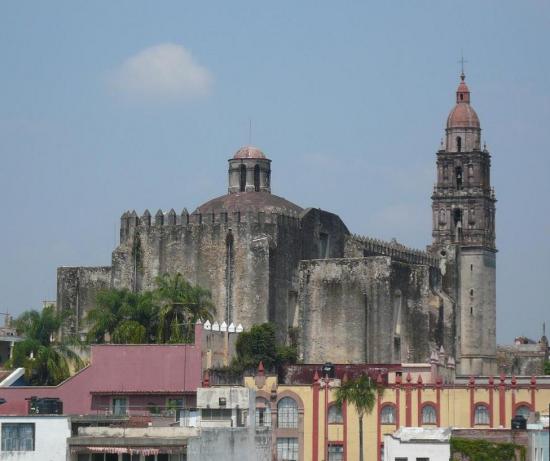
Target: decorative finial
x,y
462,62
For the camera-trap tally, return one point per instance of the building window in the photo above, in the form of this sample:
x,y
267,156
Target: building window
x,y
401,459
287,449
524,411
174,407
429,415
263,413
287,413
120,406
387,415
216,414
459,144
481,415
335,452
335,414
18,437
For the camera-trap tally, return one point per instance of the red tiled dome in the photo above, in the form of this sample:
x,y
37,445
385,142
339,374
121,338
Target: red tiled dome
x,y
463,116
249,152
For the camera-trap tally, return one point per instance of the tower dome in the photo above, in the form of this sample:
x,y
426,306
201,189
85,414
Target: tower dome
x,y
463,127
248,152
249,171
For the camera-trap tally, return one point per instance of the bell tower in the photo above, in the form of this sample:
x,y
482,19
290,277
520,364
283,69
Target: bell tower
x,y
463,205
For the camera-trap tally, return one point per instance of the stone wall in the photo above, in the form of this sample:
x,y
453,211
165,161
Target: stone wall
x,y
77,288
371,309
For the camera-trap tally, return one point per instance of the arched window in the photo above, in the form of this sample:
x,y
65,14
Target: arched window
x,y
257,178
287,413
387,415
429,415
524,411
458,174
459,144
335,414
242,183
457,216
481,414
263,413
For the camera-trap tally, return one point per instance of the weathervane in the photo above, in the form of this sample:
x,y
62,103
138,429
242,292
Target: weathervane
x,y
462,62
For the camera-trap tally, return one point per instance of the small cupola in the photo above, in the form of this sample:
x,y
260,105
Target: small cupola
x,y
249,171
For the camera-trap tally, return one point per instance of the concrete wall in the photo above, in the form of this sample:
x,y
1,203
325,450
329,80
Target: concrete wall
x,y
230,444
434,451
50,438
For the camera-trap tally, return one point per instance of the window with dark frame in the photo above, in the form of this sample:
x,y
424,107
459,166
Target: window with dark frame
x,y
18,437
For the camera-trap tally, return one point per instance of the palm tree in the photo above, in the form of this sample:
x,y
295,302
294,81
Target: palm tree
x,y
46,360
180,302
361,393
122,316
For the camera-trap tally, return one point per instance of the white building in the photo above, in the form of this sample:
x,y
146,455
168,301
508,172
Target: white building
x,y
418,444
34,438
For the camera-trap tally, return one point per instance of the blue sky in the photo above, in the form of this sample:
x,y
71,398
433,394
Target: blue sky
x,y
349,99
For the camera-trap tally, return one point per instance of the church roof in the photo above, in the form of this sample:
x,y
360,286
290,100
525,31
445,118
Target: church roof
x,y
250,201
249,152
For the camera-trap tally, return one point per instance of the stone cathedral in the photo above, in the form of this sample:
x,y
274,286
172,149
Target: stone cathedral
x,y
348,298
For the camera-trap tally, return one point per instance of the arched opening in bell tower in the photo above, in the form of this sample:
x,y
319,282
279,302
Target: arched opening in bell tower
x,y
458,175
257,178
242,181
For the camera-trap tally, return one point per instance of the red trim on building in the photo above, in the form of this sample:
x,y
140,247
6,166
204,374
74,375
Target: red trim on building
x,y
471,385
397,406
408,402
315,431
502,401
533,385
491,390
438,401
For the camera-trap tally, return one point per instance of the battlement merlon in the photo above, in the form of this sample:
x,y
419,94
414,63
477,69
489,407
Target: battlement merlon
x,y
129,221
393,249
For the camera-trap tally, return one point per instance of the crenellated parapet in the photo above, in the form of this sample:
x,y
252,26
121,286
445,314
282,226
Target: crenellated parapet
x,y
395,250
129,221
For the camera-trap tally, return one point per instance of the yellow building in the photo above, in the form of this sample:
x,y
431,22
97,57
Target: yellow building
x,y
308,426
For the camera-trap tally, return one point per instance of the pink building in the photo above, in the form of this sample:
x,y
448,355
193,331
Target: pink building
x,y
121,378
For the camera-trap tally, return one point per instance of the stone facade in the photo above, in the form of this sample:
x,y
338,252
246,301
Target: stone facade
x,y
351,298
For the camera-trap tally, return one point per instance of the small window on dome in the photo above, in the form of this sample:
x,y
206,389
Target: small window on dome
x,y
459,144
461,96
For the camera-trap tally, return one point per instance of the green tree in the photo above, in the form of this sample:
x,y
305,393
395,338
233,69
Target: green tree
x,y
122,316
260,345
547,367
361,393
180,304
46,360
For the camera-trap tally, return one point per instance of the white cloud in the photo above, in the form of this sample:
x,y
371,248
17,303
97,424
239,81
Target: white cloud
x,y
162,72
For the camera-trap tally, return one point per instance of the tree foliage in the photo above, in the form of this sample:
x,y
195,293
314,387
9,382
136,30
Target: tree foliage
x,y
484,450
46,359
166,314
547,367
260,345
